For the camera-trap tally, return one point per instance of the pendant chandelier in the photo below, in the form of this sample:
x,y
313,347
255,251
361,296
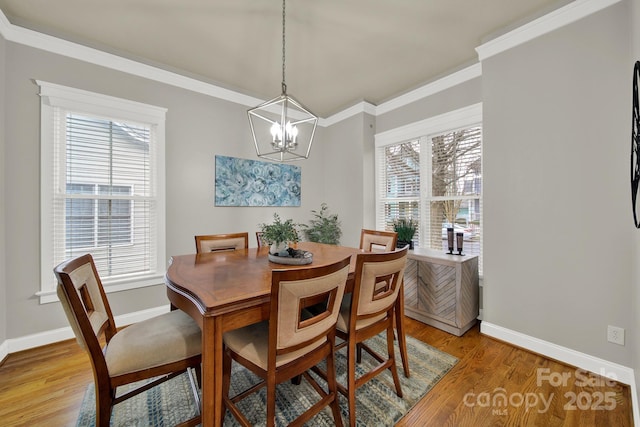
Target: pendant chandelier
x,y
282,128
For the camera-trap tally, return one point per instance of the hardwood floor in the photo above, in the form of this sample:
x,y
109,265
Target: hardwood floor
x,y
45,386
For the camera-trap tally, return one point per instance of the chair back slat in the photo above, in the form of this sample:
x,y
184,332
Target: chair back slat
x,y
378,241
294,292
222,242
379,286
378,280
84,302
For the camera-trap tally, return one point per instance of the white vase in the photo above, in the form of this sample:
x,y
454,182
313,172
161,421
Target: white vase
x,y
276,248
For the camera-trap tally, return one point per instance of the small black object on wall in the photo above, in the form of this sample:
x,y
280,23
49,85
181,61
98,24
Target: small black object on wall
x,y
635,145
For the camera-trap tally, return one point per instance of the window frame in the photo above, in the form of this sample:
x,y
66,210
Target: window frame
x,y
54,96
422,131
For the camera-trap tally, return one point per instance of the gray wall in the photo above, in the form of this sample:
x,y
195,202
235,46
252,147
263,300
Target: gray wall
x,y
557,227
345,141
635,56
3,279
197,128
558,248
462,95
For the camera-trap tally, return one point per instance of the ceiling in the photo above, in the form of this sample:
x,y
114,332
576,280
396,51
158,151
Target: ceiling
x,y
338,52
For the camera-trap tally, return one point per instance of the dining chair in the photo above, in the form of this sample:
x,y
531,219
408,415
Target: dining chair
x,y
222,242
370,311
159,348
375,241
259,234
292,341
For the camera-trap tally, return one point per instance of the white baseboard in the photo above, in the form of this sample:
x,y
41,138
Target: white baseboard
x,y
574,358
580,360
13,345
4,351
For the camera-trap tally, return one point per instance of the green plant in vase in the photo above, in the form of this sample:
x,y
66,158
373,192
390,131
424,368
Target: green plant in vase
x,y
323,228
406,229
279,234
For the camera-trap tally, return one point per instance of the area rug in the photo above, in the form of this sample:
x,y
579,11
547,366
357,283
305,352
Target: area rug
x,y
376,401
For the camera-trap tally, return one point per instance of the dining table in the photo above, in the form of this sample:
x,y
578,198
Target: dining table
x,y
226,290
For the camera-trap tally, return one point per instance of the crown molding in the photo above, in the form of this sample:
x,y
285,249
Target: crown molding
x,y
429,89
69,49
59,46
362,107
554,20
566,15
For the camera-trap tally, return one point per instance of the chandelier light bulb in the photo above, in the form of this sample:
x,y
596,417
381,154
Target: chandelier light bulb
x,y
276,132
292,135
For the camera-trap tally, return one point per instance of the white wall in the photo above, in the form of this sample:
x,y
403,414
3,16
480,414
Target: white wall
x,y
557,228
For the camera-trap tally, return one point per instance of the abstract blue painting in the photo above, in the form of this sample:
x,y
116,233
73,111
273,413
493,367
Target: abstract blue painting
x,y
243,182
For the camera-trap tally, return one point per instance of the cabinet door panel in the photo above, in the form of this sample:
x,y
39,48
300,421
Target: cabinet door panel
x,y
411,284
437,290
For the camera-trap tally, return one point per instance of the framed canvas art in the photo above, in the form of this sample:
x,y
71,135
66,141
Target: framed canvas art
x,y
244,182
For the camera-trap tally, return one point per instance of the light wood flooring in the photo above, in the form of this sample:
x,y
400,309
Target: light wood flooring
x,y
493,384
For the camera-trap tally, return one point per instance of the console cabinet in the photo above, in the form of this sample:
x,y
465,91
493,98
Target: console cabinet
x,y
442,290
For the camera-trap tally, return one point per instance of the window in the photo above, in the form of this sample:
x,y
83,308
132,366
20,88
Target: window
x,y
431,171
102,186
400,190
93,223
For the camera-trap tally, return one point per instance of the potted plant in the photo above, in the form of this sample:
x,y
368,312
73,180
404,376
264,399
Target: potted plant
x,y
279,234
323,228
406,229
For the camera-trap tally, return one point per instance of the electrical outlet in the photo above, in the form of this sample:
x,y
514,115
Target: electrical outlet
x,y
615,335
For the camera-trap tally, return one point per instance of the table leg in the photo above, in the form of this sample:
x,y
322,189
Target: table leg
x,y
207,368
402,341
218,346
211,373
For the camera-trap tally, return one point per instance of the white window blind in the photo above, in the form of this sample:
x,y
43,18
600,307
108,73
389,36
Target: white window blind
x,y
431,171
399,192
103,191
454,199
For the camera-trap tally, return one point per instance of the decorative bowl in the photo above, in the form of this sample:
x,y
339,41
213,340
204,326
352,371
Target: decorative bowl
x,y
292,257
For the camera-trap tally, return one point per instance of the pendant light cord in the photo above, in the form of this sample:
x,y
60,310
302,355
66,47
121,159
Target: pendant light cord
x,y
284,85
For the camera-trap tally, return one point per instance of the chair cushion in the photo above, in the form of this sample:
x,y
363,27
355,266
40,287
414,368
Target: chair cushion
x,y
252,343
163,339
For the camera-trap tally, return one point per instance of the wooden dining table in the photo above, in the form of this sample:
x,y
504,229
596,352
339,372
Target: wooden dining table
x,y
226,290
